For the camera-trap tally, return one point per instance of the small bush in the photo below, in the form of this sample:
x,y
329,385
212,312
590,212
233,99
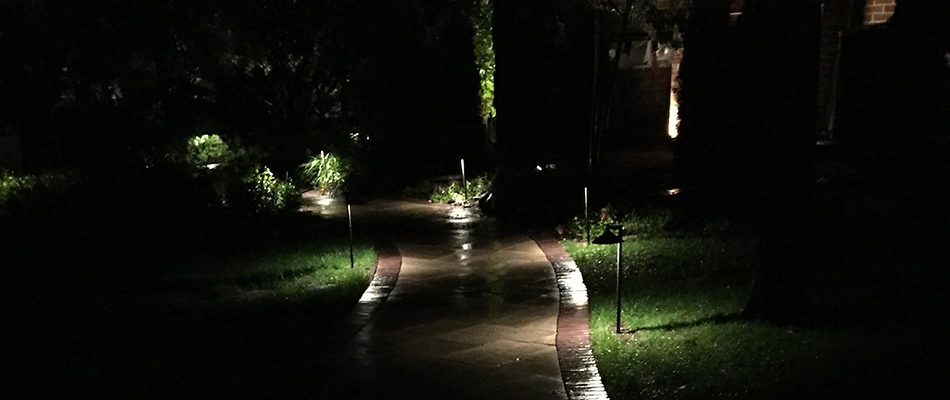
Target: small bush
x,y
575,229
456,192
262,192
447,194
22,193
650,222
13,186
646,222
326,172
205,149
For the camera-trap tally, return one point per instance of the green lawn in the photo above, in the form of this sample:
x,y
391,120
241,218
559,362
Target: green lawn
x,y
680,297
245,310
294,266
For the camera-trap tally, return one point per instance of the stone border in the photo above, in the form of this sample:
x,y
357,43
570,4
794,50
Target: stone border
x,y
388,265
574,356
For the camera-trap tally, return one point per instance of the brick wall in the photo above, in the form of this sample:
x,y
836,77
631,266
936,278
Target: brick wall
x,y
878,11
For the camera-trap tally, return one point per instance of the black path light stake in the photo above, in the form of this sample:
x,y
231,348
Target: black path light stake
x,y
586,216
349,217
610,238
464,183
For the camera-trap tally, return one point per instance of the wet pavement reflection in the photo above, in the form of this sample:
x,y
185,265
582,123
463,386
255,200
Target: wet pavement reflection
x,y
472,315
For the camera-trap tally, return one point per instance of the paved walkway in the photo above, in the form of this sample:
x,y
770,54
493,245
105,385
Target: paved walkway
x,y
473,313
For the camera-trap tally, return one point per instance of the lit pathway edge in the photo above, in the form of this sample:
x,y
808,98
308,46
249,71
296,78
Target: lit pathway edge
x,y
388,264
575,358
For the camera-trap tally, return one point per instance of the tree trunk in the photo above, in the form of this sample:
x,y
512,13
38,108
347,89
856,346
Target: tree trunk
x,y
594,120
785,79
602,117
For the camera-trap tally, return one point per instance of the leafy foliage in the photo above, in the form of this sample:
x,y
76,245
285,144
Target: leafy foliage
x,y
281,76
272,73
576,228
650,15
641,223
204,149
455,192
327,172
481,18
646,222
12,185
24,193
262,192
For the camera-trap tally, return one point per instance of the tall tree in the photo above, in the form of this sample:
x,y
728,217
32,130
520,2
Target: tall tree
x,y
481,15
785,36
278,71
117,76
718,142
620,16
92,75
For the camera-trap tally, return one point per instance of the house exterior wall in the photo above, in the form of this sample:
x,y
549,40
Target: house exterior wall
x,y
642,106
878,11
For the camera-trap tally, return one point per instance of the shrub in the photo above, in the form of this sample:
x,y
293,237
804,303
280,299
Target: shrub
x,y
456,193
23,193
575,229
447,194
326,172
205,149
646,222
262,192
13,186
634,223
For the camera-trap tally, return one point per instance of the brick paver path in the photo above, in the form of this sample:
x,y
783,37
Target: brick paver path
x,y
473,313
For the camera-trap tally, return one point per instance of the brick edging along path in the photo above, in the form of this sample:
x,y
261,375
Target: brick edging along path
x,y
575,358
385,275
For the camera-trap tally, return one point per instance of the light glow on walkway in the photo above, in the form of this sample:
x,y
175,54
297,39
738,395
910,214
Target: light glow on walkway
x,y
460,215
582,379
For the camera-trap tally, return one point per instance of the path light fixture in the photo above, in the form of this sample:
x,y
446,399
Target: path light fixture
x,y
586,216
608,237
349,217
464,183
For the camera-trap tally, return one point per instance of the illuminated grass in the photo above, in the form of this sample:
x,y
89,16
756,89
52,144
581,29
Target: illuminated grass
x,y
734,360
296,256
324,262
681,297
666,281
290,271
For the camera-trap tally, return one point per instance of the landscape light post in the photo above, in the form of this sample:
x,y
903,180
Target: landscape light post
x,y
349,217
586,215
610,238
464,183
